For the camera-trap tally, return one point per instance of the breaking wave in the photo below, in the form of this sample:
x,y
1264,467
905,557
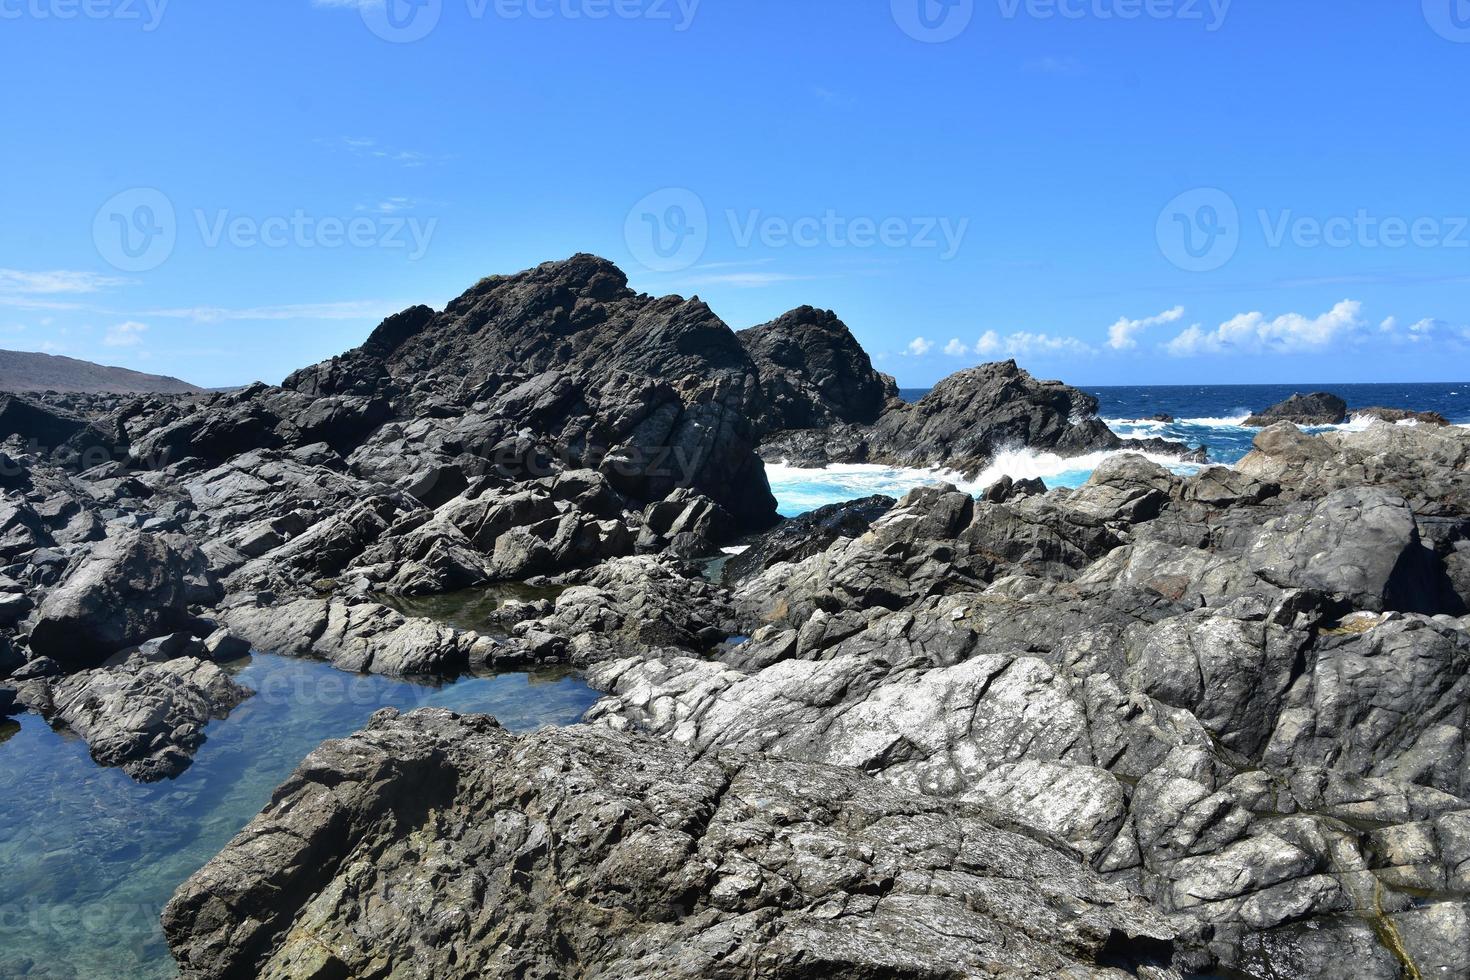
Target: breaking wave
x,y
801,489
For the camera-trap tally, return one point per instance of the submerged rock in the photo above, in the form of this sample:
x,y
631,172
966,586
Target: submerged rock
x,y
147,717
435,845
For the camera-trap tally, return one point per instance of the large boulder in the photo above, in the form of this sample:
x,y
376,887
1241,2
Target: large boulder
x,y
813,372
40,425
363,637
131,587
1319,408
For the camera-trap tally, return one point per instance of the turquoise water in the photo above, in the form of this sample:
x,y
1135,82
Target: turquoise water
x,y
88,857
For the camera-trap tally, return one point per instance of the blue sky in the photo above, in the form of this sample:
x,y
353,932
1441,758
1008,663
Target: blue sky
x,y
1113,191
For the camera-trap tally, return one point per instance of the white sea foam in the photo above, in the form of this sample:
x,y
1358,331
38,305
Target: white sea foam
x,y
799,489
1064,471
1205,422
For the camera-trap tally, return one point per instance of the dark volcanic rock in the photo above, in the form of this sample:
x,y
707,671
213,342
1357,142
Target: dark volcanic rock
x,y
131,587
972,415
1320,408
804,536
1401,415
564,367
37,423
363,637
1188,679
435,845
813,372
577,316
963,423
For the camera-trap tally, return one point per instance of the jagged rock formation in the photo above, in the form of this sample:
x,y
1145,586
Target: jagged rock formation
x,y
434,845
1319,408
807,535
1400,415
813,372
654,393
1241,694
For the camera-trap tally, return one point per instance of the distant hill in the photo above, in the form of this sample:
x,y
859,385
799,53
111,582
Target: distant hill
x,y
23,371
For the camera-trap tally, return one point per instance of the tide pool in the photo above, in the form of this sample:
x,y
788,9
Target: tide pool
x,y
88,857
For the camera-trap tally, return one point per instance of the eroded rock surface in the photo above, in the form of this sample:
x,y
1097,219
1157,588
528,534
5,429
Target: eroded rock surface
x,y
1240,694
434,845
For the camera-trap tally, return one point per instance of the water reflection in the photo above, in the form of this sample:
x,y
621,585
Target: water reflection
x,y
472,609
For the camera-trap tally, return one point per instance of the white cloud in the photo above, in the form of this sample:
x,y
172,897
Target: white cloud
x,y
918,347
740,280
1123,334
1425,331
128,334
1021,344
1255,333
392,205
365,146
956,349
55,281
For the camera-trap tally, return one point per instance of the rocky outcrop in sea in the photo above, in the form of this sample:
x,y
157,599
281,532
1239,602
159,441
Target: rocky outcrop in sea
x,y
1157,725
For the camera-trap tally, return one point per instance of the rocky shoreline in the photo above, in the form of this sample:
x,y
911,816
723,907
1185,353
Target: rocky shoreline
x,y
1152,726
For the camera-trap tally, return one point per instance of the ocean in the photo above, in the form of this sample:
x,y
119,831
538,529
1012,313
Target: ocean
x,y
1205,415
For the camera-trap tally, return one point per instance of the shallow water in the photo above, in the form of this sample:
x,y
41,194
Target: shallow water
x,y
471,609
88,857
